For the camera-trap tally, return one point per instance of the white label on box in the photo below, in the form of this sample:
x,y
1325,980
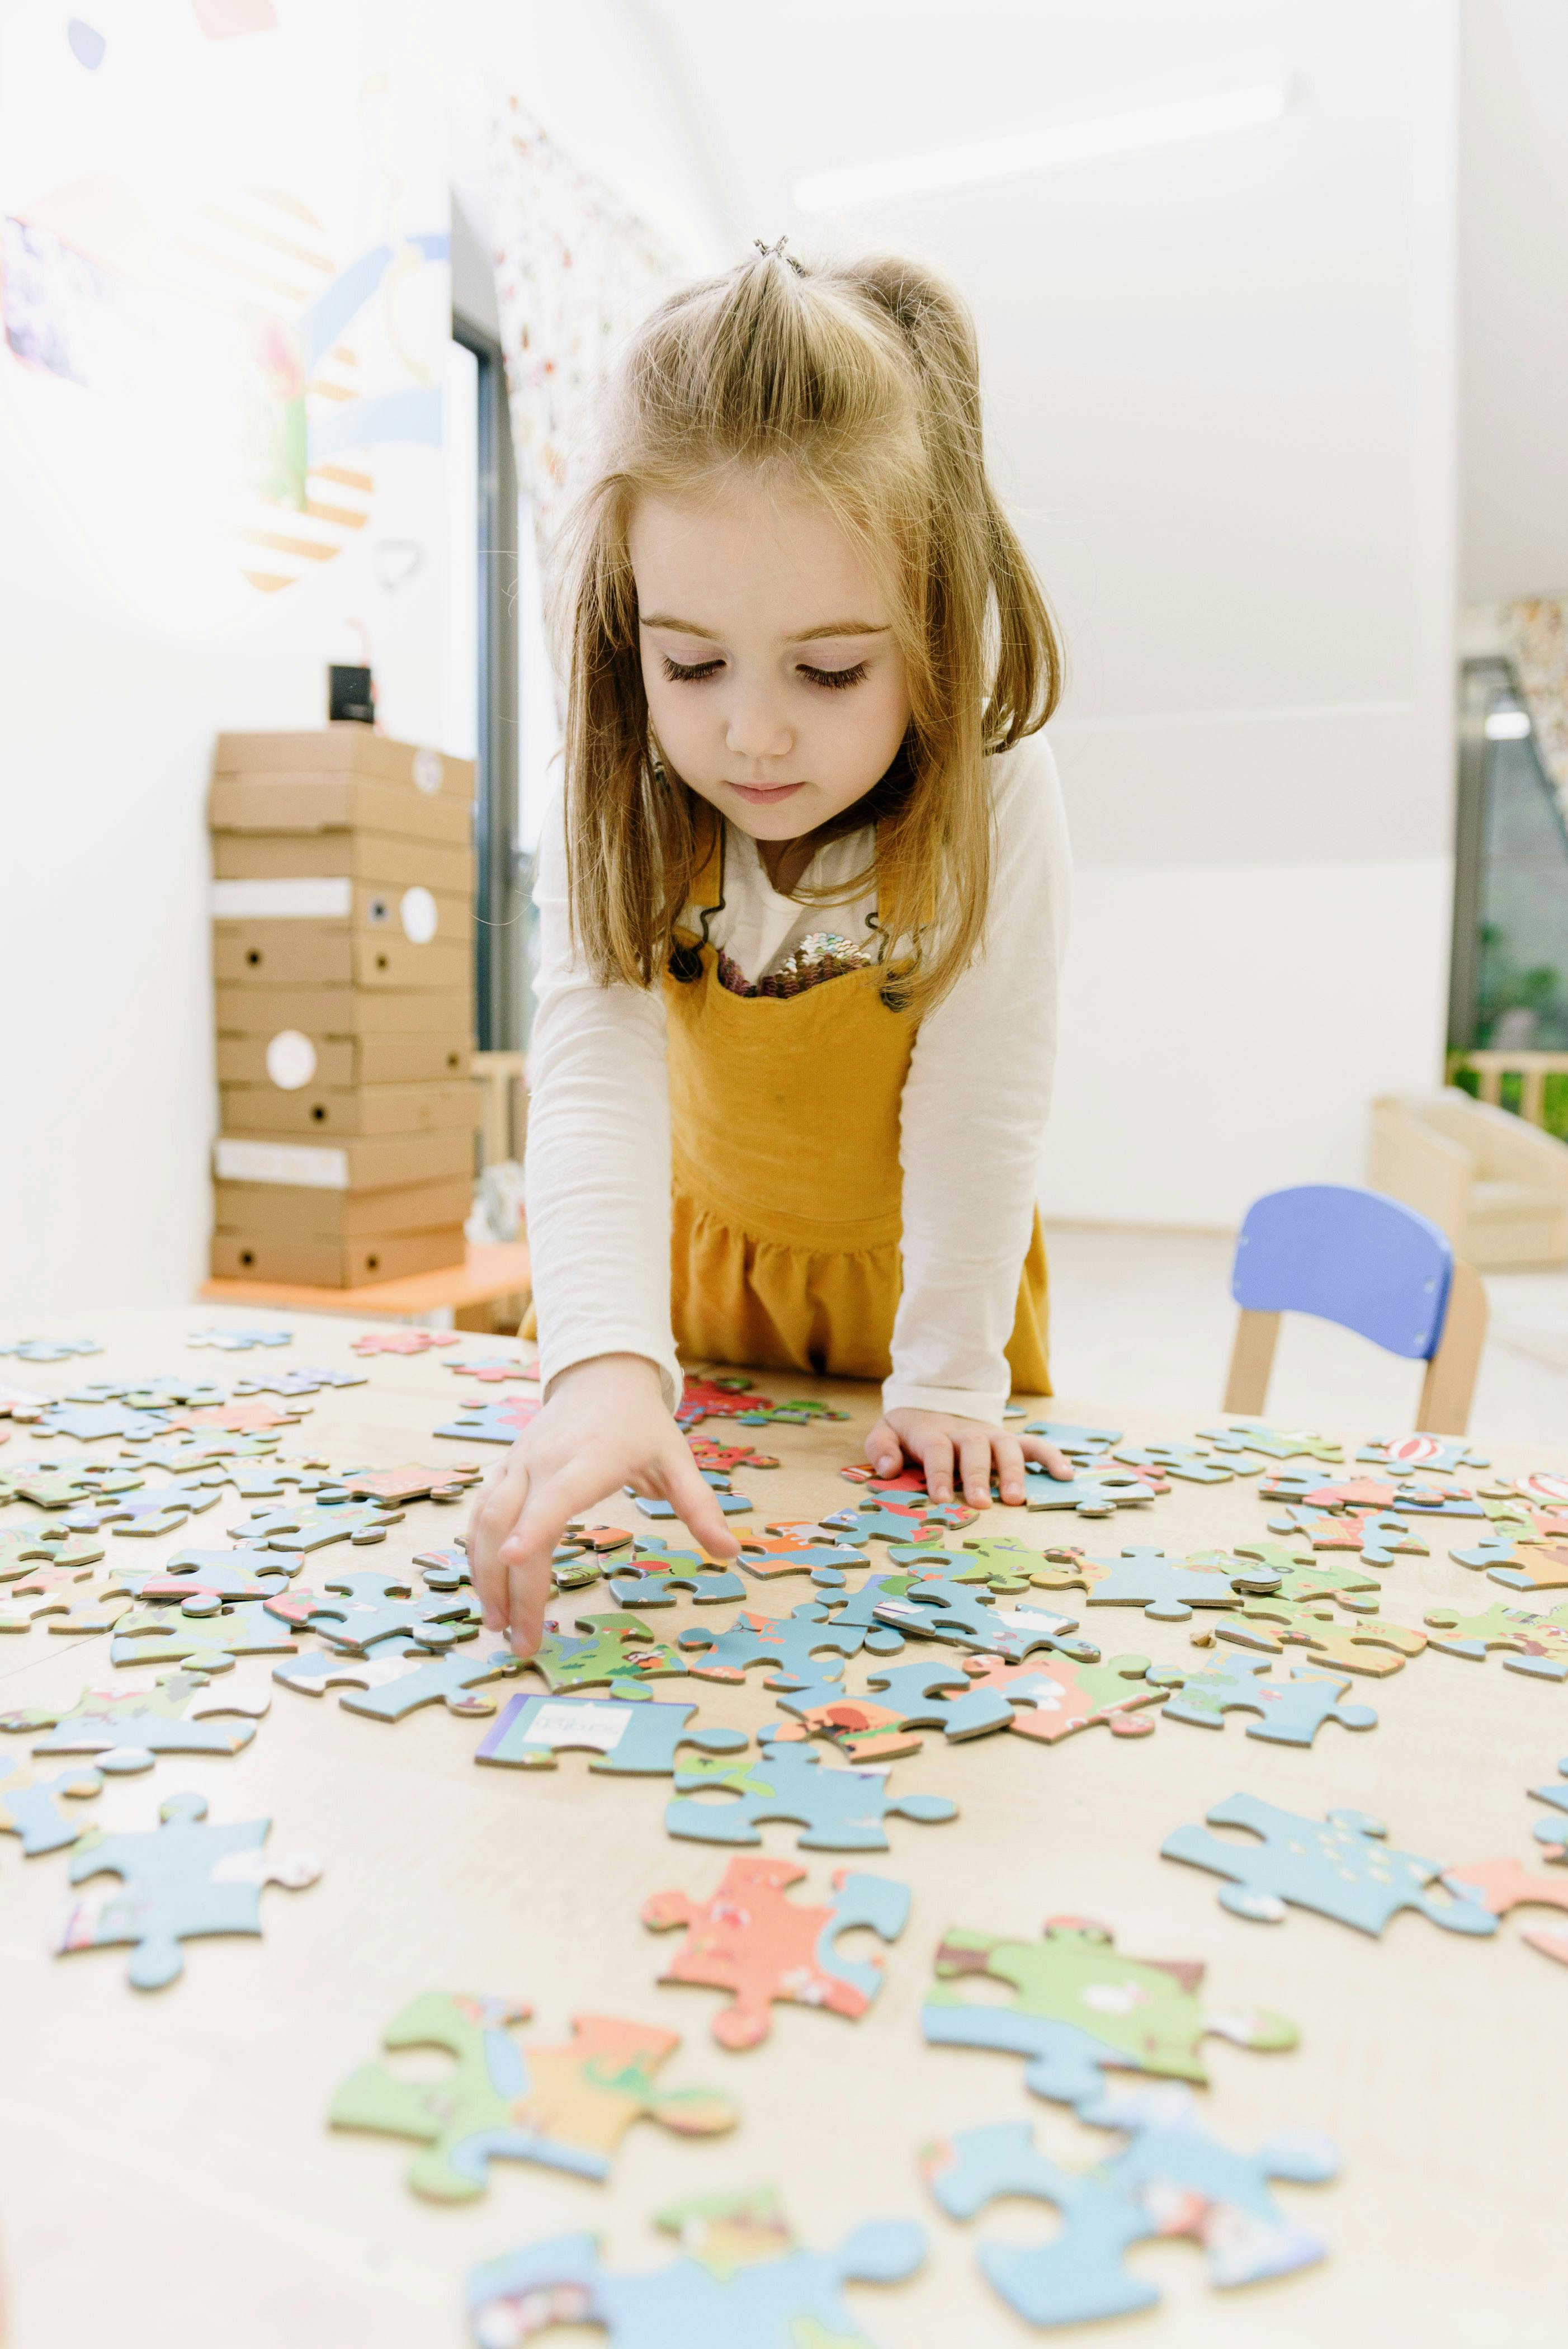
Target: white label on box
x,y
601,1725
291,1060
428,772
419,916
311,898
283,1161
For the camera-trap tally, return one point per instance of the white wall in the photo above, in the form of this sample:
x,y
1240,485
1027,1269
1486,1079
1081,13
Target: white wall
x,y
1220,382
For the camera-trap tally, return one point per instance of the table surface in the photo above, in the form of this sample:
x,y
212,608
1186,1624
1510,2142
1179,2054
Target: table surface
x,y
166,2175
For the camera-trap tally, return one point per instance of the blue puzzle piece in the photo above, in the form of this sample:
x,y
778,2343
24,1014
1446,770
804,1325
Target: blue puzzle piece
x,y
1181,1460
629,1740
739,2284
934,1609
930,1696
1340,1866
1292,1711
1553,1832
836,1809
732,1504
1170,2178
1097,1490
30,1805
891,1521
181,1880
856,1610
1078,1443
240,1341
801,1644
655,1572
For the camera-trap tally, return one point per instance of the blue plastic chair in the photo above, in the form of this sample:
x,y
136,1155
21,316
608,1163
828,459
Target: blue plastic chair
x,y
1371,1264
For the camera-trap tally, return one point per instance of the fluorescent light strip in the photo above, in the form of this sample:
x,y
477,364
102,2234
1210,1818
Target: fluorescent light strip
x,y
1042,150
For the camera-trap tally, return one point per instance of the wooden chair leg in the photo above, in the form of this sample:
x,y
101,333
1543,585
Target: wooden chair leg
x,y
1252,1360
1448,1387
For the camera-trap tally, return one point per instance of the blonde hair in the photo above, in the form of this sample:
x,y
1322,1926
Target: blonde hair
x,y
857,382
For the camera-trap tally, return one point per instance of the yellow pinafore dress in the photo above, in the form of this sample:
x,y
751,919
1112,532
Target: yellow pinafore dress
x,y
788,1206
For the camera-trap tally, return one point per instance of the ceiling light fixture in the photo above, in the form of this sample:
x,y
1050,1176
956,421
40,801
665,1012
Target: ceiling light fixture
x,y
1508,725
1043,150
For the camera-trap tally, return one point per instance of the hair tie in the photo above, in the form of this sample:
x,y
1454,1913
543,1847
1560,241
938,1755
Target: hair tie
x,y
776,253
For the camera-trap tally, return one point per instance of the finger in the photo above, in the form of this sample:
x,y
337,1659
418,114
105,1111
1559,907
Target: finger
x,y
885,1450
975,1468
692,1498
502,1504
1055,1462
527,1594
937,1461
1009,1458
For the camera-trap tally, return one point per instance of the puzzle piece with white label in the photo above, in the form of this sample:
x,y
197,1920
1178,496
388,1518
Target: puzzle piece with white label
x,y
629,1740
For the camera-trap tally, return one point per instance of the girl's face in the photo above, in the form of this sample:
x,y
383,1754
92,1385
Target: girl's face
x,y
774,688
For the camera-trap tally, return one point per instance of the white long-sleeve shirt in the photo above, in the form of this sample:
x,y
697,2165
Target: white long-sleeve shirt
x,y
974,1111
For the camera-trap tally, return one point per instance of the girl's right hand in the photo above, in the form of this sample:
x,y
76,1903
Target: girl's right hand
x,y
603,1426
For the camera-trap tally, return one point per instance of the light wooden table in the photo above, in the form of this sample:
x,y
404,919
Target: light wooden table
x,y
166,2179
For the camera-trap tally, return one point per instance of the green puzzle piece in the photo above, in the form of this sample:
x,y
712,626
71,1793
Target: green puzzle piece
x,y
616,1649
1081,2008
208,1643
1001,1564
1295,1571
1538,1643
567,2108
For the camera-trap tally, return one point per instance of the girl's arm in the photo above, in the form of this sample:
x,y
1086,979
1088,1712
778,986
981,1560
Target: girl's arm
x,y
599,1237
973,1115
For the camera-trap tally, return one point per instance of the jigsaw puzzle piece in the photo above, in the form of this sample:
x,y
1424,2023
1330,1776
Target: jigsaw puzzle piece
x,y
891,1521
806,1549
1170,2178
308,1380
615,1649
315,1524
935,1610
1553,1832
794,1645
1502,1885
741,2279
1237,1439
148,1515
181,1881
1078,1443
655,1572
1166,1589
167,1393
752,1940
1533,1643
30,1804
1295,1571
91,1422
24,1548
1438,1455
856,1610
495,1369
62,1591
566,2107
1518,1565
859,1727
48,1484
1369,1645
402,1342
1340,1866
205,1643
1052,1696
835,1809
412,1481
123,1727
241,1341
928,1696
48,1349
1081,2008
1179,1460
401,1676
1291,1712
356,1610
1378,1539
496,1419
1001,1565
630,1740
191,1450
1093,1492
203,1580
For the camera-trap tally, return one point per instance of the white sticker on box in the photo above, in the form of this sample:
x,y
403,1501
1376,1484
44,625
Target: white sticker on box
x,y
419,916
599,1725
428,772
282,1162
313,898
291,1060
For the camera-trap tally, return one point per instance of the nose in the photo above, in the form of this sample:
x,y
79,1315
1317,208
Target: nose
x,y
756,729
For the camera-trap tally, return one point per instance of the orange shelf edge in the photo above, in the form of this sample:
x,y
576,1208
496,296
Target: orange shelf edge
x,y
498,1268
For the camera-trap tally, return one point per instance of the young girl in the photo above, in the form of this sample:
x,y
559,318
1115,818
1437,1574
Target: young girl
x,y
800,916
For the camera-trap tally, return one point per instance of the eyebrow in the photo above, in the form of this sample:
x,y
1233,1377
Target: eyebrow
x,y
806,636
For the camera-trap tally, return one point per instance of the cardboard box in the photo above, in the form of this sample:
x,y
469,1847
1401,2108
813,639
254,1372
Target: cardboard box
x,y
275,903
318,1109
334,803
360,1162
344,1062
306,953
335,1264
346,749
246,1011
305,1214
374,859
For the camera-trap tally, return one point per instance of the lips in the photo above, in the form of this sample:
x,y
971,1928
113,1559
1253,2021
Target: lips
x,y
760,794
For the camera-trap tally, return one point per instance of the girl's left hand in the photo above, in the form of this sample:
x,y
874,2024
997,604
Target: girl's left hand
x,y
942,1443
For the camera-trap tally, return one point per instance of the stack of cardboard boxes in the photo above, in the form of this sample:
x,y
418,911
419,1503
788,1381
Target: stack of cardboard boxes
x,y
343,961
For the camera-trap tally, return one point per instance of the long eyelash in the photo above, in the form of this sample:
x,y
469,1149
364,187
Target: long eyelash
x,y
694,675
835,677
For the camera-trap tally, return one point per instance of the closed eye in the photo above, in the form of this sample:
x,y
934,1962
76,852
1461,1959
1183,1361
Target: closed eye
x,y
834,678
679,674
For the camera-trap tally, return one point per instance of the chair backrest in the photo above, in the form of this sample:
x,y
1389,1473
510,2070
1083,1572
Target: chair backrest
x,y
1349,1256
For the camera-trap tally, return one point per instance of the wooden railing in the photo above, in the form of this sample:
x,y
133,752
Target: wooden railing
x,y
1531,1068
